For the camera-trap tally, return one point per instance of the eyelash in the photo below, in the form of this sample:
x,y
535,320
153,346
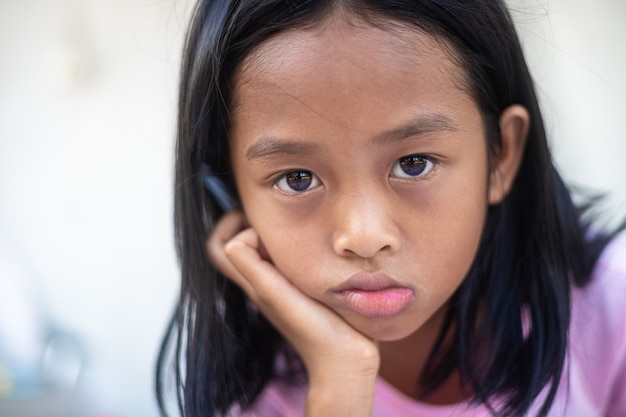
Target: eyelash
x,y
430,165
281,181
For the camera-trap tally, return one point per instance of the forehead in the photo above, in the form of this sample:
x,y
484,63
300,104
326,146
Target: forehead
x,y
344,41
340,34
341,67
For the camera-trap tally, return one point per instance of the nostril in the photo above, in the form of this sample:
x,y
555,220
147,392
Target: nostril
x,y
364,245
363,226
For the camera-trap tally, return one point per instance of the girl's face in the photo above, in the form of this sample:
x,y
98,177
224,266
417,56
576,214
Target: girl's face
x,y
361,162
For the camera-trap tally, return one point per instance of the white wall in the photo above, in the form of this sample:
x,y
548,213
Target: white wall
x,y
577,54
87,108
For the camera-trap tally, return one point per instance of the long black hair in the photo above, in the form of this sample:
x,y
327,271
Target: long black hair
x,y
533,246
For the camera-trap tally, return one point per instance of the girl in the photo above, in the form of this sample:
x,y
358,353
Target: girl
x,y
402,244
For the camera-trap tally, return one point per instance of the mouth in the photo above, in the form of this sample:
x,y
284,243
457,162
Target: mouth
x,y
374,295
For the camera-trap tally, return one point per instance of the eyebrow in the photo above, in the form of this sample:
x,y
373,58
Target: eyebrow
x,y
268,147
430,123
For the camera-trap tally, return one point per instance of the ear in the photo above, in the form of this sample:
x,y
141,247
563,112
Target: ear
x,y
514,126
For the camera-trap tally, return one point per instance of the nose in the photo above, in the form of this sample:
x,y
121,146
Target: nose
x,y
364,226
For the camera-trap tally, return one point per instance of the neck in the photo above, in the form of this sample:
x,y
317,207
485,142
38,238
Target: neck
x,y
403,361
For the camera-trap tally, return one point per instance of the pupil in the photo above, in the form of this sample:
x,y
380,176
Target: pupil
x,y
299,180
413,165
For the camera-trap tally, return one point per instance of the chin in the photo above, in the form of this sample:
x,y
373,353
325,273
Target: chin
x,y
386,332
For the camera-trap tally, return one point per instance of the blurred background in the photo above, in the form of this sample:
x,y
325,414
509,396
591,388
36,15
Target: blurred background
x,y
88,272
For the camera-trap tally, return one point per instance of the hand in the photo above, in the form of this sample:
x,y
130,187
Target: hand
x,y
337,357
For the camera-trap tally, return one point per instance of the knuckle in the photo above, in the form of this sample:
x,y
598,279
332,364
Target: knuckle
x,y
232,247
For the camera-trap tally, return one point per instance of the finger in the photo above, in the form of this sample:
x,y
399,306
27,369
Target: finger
x,y
228,226
245,253
284,304
315,331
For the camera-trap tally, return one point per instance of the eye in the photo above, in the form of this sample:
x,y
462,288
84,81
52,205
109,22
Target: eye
x,y
413,166
296,182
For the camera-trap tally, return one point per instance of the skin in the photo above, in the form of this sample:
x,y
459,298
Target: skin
x,y
343,102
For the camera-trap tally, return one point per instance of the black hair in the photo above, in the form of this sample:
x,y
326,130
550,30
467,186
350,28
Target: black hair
x,y
533,248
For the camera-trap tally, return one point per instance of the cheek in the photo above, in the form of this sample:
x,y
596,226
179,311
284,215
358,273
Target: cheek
x,y
446,241
293,247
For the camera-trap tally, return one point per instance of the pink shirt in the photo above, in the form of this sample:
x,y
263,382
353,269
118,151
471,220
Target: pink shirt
x,y
594,379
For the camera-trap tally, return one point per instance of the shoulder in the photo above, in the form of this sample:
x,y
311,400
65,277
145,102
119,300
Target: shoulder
x,y
613,258
603,299
598,333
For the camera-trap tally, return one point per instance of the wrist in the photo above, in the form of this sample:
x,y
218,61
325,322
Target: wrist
x,y
335,395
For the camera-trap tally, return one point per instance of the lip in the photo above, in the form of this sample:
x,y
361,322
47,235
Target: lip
x,y
374,295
